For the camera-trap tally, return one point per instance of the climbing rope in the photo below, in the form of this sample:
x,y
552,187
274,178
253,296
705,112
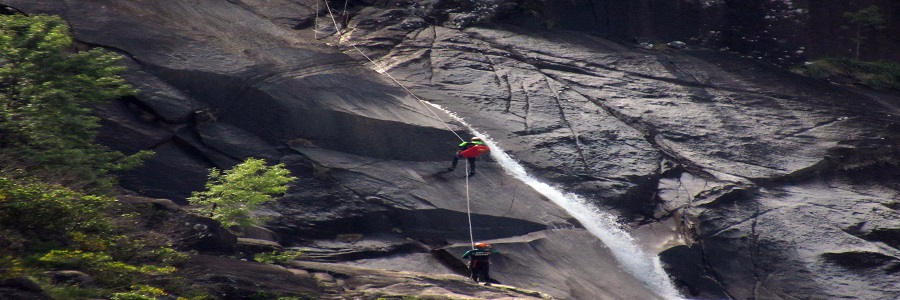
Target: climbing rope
x,y
316,23
384,71
424,103
468,207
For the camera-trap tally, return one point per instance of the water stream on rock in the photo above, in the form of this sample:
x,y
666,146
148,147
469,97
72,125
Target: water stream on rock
x,y
646,268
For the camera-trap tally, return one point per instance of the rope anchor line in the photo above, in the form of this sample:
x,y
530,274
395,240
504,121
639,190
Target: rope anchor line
x,y
425,104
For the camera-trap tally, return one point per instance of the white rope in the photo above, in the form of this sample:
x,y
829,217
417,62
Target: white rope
x,y
468,206
336,28
384,71
346,15
316,26
424,103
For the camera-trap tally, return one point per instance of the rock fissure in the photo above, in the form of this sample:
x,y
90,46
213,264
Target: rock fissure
x,y
635,123
733,227
527,110
572,131
758,272
710,269
503,82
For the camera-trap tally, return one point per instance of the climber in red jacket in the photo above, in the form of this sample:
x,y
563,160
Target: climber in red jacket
x,y
470,150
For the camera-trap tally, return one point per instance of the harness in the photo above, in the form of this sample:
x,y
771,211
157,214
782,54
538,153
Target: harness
x,y
479,258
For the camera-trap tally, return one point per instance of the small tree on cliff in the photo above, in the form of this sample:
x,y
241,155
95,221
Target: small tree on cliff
x,y
861,21
232,195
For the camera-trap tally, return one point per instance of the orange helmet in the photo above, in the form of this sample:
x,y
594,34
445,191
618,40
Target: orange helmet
x,y
482,245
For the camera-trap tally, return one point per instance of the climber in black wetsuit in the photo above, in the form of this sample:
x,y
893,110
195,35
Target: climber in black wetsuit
x,y
479,262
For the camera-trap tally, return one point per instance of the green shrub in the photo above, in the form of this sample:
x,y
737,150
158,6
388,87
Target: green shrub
x,y
46,215
69,291
102,266
46,89
50,165
48,227
277,257
232,195
879,74
10,267
131,296
140,292
168,255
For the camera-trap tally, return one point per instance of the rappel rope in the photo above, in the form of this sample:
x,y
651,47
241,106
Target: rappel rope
x,y
424,103
468,207
384,71
316,23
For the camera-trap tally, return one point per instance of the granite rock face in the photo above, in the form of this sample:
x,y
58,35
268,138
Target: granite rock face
x,y
784,32
750,181
781,182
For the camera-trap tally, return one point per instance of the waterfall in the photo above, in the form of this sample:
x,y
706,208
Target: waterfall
x,y
646,268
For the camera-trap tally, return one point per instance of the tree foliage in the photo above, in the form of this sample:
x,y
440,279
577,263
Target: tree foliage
x,y
46,90
877,74
232,195
863,20
48,216
50,227
277,257
50,164
102,266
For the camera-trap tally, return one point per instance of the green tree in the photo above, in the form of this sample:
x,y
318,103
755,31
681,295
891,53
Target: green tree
x,y
45,216
232,195
861,21
50,227
46,90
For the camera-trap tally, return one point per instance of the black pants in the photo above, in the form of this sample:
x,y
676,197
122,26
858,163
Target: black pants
x,y
480,271
470,159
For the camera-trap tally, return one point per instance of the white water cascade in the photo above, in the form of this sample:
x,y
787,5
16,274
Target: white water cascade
x,y
646,268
